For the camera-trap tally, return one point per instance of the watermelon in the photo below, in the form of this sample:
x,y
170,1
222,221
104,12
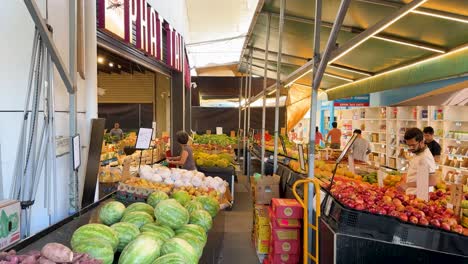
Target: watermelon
x,y
137,218
170,213
144,249
155,197
111,212
196,230
140,207
179,245
210,204
194,205
126,232
201,218
182,197
97,249
172,258
165,231
194,241
96,231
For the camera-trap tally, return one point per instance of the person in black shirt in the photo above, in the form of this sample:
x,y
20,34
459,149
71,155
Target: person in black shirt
x,y
433,146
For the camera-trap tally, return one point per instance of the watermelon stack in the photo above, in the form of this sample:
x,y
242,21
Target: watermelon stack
x,y
111,212
126,232
97,240
171,213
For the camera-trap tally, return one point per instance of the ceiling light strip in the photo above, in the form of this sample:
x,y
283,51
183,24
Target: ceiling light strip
x,y
349,70
420,12
339,77
409,44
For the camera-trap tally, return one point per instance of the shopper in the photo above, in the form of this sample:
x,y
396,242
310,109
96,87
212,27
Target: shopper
x,y
292,135
185,160
318,136
116,132
361,147
300,132
335,135
421,169
433,146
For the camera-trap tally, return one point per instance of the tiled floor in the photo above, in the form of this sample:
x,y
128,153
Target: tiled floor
x,y
238,247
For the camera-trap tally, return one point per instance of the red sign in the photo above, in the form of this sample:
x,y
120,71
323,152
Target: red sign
x,y
138,24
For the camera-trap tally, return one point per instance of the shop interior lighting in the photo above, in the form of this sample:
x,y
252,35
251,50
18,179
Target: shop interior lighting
x,y
338,77
302,75
389,23
440,16
272,92
100,60
111,64
350,70
119,66
410,44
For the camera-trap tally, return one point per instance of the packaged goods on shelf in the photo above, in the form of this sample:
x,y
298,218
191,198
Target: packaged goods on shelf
x,y
261,230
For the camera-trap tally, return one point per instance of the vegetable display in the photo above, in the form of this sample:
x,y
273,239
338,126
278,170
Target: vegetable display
x,y
221,140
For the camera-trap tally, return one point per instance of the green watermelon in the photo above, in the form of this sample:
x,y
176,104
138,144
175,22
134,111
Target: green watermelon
x,y
155,197
172,258
95,231
179,245
194,205
97,249
111,212
140,207
194,241
144,249
182,197
201,218
126,232
137,218
170,213
196,230
165,231
210,204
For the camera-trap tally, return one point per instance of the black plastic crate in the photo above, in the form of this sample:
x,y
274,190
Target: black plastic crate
x,y
390,229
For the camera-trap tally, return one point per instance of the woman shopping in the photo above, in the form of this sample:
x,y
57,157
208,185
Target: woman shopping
x,y
185,160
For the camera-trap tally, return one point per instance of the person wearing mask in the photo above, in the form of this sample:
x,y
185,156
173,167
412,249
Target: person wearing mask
x,y
116,132
421,169
361,147
433,146
185,160
318,136
335,136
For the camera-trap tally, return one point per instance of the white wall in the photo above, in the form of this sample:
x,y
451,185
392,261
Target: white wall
x,y
175,12
16,29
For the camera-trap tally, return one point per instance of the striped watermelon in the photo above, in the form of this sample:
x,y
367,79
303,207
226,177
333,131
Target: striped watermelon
x,y
97,231
196,230
201,218
97,249
143,250
170,213
179,245
194,241
210,204
182,197
165,231
193,205
140,207
173,258
155,197
126,232
111,212
137,218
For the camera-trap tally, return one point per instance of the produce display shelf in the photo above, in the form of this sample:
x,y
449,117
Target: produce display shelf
x,y
62,231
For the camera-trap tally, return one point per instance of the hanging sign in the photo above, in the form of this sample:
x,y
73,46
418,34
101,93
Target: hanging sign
x,y
138,24
355,101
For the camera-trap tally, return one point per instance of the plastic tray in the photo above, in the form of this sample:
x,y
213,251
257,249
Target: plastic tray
x,y
390,229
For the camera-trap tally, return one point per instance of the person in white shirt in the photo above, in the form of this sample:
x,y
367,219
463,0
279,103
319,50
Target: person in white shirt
x,y
361,147
421,169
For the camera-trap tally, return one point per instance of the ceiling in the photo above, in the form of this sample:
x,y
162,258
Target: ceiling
x,y
433,30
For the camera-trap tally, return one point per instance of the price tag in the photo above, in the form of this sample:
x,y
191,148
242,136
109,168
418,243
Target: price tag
x,y
458,124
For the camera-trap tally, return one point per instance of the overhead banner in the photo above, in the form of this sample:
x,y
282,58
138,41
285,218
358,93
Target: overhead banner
x,y
355,101
137,23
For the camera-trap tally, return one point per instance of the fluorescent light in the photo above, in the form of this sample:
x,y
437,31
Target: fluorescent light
x,y
111,64
339,77
349,70
302,75
409,44
272,92
440,16
100,59
377,31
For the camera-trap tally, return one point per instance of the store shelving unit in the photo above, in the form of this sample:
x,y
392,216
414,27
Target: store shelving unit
x,y
385,127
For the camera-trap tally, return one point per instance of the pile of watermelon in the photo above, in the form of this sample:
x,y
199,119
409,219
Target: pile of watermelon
x,y
161,231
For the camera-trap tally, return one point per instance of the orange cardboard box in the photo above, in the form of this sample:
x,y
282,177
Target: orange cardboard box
x,y
286,208
283,259
290,247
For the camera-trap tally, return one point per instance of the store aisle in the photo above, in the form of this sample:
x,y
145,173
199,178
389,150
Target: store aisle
x,y
237,245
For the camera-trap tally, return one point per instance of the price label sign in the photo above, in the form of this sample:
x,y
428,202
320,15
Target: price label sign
x,y
76,152
144,138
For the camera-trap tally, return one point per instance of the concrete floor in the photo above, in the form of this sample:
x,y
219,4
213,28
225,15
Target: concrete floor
x,y
237,245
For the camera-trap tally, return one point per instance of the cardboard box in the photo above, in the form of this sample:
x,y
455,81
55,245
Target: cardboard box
x,y
285,247
10,213
262,216
284,223
262,246
287,208
283,259
265,189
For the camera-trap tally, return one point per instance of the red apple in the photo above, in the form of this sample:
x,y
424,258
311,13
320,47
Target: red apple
x,y
419,214
423,221
382,211
413,219
435,222
403,217
445,226
394,213
360,207
400,208
457,229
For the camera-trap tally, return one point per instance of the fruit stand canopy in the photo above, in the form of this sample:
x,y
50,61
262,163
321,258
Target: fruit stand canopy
x,y
430,42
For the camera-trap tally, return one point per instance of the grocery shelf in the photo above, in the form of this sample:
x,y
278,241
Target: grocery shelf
x,y
461,140
455,168
367,131
460,156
